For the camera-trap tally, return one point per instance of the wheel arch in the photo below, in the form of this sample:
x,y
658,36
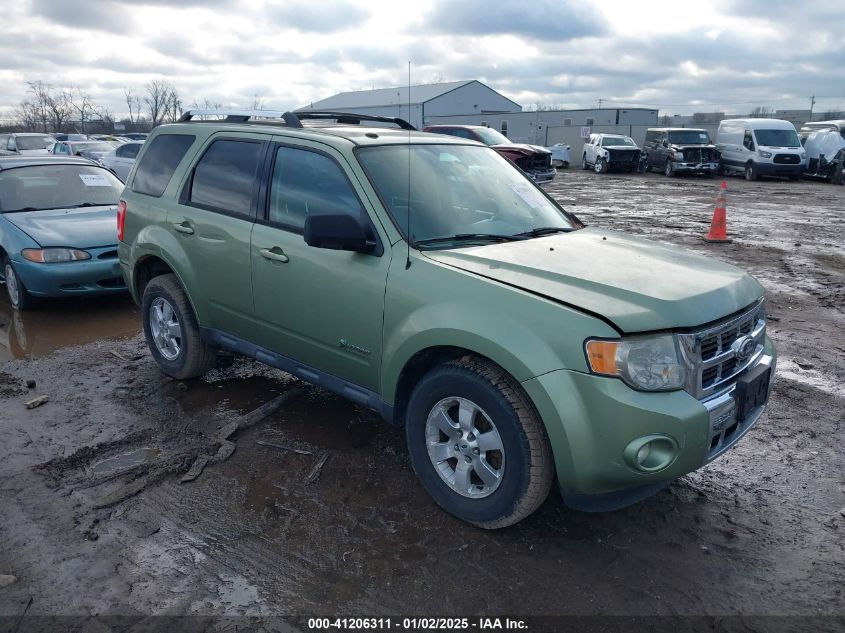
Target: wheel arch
x,y
148,267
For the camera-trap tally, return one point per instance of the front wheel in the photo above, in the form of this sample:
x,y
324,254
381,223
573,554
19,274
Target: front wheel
x,y
477,444
669,169
171,330
836,177
19,296
751,172
584,164
601,166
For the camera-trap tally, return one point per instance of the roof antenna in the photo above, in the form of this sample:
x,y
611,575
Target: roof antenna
x,y
408,240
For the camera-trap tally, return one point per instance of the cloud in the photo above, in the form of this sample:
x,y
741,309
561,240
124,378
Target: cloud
x,y
95,15
540,19
302,15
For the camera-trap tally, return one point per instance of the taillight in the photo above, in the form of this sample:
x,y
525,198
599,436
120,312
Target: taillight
x,y
121,219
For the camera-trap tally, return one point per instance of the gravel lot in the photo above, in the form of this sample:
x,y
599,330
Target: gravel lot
x,y
317,511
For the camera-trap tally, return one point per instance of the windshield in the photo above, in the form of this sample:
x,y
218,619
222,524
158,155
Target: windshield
x,y
491,137
777,138
42,187
689,137
33,142
93,147
458,190
616,141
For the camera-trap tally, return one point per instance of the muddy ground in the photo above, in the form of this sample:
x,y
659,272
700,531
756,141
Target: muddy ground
x,y
318,512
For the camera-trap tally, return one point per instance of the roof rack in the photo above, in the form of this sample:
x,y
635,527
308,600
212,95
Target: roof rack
x,y
293,119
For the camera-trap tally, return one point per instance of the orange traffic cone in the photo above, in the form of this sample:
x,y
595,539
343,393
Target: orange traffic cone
x,y
719,225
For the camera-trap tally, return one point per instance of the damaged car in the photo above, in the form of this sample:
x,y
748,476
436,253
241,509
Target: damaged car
x,y
605,152
680,150
824,142
534,160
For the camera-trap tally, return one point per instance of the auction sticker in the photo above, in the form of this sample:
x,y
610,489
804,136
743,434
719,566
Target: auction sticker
x,y
95,180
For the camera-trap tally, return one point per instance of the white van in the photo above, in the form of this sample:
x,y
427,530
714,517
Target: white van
x,y
760,147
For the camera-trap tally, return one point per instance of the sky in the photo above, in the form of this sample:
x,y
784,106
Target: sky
x,y
681,57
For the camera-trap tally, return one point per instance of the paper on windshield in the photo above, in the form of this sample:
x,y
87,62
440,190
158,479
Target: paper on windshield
x,y
530,195
95,180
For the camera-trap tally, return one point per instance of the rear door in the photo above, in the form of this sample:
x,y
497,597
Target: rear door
x,y
213,223
323,308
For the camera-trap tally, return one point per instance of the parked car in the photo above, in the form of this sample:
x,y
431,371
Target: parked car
x,y
561,156
136,136
25,144
94,150
57,228
534,160
70,137
760,147
824,142
680,150
605,152
120,160
423,277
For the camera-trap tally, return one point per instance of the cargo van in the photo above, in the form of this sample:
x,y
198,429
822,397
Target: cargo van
x,y
760,147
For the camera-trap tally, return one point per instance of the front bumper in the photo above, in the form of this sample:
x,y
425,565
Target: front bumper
x,y
99,275
592,420
697,168
776,169
546,175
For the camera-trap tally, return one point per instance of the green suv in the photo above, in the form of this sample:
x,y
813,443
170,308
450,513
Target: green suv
x,y
426,278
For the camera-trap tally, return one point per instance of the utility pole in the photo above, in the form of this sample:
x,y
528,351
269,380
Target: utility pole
x,y
812,103
600,100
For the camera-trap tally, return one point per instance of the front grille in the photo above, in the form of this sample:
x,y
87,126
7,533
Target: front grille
x,y
698,155
624,156
541,161
107,255
787,159
712,353
112,282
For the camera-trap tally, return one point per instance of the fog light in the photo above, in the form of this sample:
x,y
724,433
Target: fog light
x,y
651,453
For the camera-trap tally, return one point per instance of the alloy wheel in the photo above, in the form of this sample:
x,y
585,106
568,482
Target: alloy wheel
x,y
165,329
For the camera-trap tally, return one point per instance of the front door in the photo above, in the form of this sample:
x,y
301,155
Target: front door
x,y
323,308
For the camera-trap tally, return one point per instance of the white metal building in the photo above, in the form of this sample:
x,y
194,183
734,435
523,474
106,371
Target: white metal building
x,y
423,103
547,127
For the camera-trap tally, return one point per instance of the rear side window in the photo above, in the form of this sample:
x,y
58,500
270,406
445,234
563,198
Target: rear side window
x,y
224,178
159,162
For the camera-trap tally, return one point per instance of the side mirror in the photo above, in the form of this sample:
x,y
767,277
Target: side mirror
x,y
665,143
337,231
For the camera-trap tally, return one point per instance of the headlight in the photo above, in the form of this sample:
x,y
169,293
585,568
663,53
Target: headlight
x,y
651,363
54,255
764,154
676,155
803,154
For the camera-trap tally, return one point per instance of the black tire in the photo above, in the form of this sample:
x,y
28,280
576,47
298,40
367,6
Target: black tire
x,y
600,167
527,467
751,172
584,164
22,299
564,164
194,357
669,169
836,177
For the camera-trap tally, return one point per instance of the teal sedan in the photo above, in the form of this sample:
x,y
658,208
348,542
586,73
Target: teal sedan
x,y
58,228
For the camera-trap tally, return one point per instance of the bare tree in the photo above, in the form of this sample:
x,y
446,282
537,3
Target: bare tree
x,y
173,104
133,102
40,92
762,112
60,109
257,102
26,114
156,99
81,104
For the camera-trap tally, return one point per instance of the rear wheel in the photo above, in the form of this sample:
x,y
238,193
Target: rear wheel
x,y
584,164
172,332
477,444
836,177
19,296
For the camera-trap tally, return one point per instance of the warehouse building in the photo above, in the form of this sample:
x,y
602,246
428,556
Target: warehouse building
x,y
421,103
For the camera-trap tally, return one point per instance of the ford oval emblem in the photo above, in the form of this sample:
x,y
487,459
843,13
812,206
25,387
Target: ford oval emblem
x,y
744,347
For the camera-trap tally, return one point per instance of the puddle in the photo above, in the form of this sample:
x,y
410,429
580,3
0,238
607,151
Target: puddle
x,y
124,462
63,323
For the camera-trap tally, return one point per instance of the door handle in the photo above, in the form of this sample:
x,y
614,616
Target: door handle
x,y
184,227
274,254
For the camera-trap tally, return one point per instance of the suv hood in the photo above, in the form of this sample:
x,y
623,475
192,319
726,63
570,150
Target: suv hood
x,y
637,284
683,146
88,227
522,148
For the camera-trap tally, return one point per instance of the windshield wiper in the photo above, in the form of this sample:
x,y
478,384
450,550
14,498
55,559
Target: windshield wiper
x,y
470,237
86,204
545,230
23,209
